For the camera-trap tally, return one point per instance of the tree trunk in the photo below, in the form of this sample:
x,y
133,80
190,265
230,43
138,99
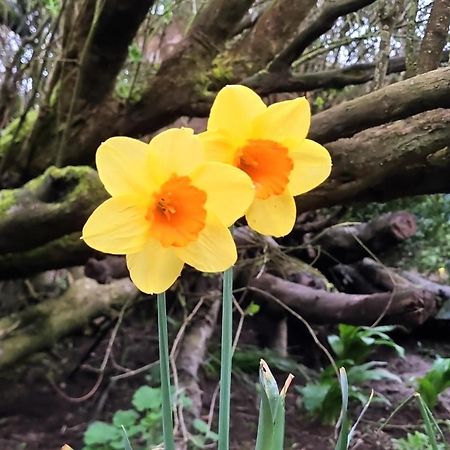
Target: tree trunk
x,y
435,37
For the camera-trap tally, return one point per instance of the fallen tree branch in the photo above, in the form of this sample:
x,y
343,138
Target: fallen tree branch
x,y
387,161
408,307
396,101
116,28
38,327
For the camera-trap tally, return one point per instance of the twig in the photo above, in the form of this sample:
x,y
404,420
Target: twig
x,y
305,322
102,368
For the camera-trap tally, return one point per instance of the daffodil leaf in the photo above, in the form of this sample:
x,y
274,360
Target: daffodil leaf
x,y
271,415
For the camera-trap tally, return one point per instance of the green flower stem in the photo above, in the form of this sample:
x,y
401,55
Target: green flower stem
x,y
169,443
226,356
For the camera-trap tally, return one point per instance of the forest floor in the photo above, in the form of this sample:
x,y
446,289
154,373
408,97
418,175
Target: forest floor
x,y
45,403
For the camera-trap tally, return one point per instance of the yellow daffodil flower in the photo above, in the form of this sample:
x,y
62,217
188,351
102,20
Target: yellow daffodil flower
x,y
270,145
168,207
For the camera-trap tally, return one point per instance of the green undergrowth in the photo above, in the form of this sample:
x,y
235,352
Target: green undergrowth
x,y
143,425
352,348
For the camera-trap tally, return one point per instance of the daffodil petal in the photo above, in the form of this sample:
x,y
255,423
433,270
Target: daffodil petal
x,y
122,166
234,110
117,226
176,150
213,251
289,119
312,165
218,147
274,216
230,191
155,268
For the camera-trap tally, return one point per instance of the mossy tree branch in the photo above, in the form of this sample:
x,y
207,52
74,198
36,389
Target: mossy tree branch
x,y
39,327
48,207
396,101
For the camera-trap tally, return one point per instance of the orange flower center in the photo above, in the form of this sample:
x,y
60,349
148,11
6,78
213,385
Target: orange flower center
x,y
268,164
177,213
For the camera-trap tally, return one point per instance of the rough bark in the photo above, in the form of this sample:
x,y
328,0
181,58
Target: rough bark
x,y
435,38
349,243
53,205
393,102
273,29
408,307
406,157
39,327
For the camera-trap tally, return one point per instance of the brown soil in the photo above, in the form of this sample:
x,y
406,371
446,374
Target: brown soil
x,y
39,414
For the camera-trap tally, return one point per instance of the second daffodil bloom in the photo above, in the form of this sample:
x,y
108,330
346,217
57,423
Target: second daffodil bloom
x,y
168,207
270,145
